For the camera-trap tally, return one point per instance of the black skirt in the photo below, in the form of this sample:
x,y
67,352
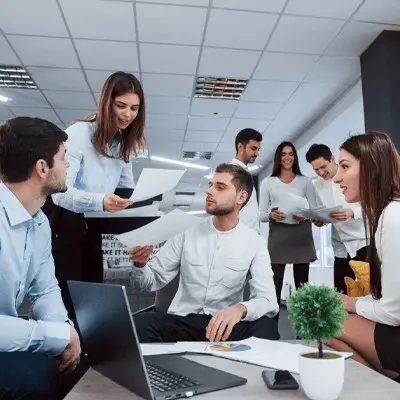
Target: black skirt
x,y
387,344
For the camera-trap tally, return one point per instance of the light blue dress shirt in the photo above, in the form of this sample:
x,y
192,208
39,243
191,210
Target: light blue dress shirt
x,y
27,268
90,175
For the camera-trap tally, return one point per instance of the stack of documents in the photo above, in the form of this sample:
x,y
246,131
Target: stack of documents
x,y
321,213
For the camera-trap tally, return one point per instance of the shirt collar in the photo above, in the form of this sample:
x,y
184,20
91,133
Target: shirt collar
x,y
16,212
215,230
240,163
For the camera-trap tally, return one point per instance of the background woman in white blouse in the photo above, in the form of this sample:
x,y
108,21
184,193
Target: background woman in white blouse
x,y
290,239
100,150
369,173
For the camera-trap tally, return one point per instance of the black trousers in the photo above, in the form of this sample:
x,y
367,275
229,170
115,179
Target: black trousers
x,y
156,326
341,268
300,272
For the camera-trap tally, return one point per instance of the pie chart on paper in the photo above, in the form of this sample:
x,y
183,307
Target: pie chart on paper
x,y
229,347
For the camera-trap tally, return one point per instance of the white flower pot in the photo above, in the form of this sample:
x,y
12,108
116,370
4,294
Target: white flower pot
x,y
321,379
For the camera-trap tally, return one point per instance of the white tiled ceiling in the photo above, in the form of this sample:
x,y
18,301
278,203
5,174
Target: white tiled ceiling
x,y
299,56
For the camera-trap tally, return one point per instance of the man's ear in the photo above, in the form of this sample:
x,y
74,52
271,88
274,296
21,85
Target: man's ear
x,y
42,169
243,195
332,160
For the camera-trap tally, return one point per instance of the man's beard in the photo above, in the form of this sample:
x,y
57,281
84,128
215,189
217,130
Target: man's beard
x,y
221,211
49,190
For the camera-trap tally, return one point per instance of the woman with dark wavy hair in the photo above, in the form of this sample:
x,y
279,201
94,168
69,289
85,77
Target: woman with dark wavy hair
x,y
100,151
369,173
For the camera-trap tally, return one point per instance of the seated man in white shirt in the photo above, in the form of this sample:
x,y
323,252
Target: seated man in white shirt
x,y
32,166
212,260
348,234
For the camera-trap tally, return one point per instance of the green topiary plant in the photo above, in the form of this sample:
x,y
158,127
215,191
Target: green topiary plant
x,y
316,313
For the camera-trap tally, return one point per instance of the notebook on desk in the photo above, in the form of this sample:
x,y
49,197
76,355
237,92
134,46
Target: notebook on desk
x,y
110,340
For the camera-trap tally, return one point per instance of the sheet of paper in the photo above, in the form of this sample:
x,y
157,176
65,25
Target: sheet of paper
x,y
159,230
149,349
146,211
290,204
266,353
153,182
321,213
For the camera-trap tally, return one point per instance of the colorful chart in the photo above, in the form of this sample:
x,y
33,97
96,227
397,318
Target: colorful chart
x,y
229,347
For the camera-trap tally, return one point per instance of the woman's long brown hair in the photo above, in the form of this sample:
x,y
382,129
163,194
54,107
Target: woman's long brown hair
x,y
379,184
132,138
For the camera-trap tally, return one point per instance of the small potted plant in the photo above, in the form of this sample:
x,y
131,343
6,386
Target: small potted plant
x,y
317,313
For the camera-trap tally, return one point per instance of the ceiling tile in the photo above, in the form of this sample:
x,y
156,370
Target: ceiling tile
x,y
247,109
120,55
24,98
304,35
26,17
237,124
269,91
166,121
69,116
171,24
167,105
224,156
228,62
171,85
284,66
166,149
274,6
108,20
59,79
330,9
45,52
169,59
228,147
255,29
160,134
7,55
383,11
356,37
44,113
199,146
182,2
70,100
205,136
5,114
207,123
223,108
343,71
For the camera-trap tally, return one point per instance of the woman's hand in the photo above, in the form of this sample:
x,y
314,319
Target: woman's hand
x,y
349,303
113,203
277,215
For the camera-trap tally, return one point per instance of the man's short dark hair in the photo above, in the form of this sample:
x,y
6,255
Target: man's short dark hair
x,y
23,142
247,134
318,150
241,179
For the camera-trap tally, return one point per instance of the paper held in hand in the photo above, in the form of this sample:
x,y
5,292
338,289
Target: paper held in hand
x,y
321,213
159,230
153,182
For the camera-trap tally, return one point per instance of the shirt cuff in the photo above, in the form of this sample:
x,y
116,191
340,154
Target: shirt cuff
x,y
365,307
98,201
56,336
250,311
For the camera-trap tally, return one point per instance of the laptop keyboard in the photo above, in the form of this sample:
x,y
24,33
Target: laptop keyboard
x,y
164,381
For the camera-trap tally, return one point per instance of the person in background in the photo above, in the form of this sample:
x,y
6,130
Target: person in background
x,y
100,150
348,234
369,173
212,259
32,166
290,239
248,144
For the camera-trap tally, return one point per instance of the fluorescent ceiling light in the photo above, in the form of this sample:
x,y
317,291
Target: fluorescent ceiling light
x,y
196,212
254,167
177,162
209,176
4,98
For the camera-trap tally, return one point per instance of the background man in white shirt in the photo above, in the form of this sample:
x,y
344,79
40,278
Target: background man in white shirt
x,y
348,234
212,259
248,145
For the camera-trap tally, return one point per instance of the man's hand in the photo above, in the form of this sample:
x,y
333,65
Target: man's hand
x,y
277,215
113,203
318,222
342,215
221,324
299,217
140,255
70,357
349,303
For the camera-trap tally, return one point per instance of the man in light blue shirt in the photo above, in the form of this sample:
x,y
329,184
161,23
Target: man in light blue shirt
x,y
32,166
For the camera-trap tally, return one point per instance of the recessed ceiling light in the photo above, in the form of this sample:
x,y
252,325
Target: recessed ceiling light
x,y
209,176
254,167
177,162
12,76
197,155
196,212
219,88
4,98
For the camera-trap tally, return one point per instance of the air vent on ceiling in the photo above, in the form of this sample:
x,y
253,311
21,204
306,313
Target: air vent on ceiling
x,y
181,205
219,88
12,76
185,193
196,155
